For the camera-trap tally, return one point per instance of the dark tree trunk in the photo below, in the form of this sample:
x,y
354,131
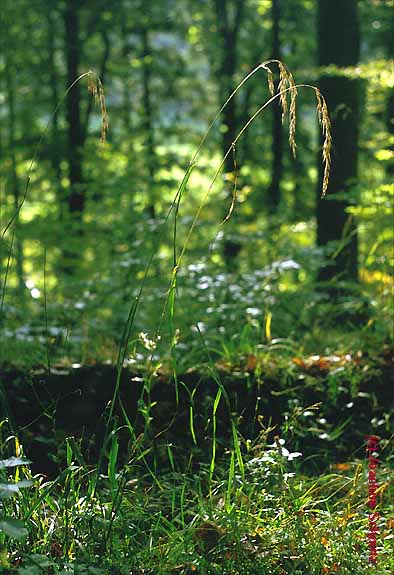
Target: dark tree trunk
x,y
390,110
148,118
390,129
126,88
277,131
246,144
53,82
76,198
229,17
9,71
336,229
229,33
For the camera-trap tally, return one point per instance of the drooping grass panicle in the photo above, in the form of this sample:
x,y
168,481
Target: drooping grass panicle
x,y
286,85
283,84
292,119
270,77
95,87
324,121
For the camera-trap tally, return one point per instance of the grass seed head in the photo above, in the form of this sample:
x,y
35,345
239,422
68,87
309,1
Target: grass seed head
x,y
95,87
324,121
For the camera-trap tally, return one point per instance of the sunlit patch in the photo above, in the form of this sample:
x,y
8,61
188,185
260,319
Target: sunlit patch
x,y
35,293
375,276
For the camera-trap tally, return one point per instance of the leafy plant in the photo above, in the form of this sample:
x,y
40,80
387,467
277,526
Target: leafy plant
x,y
11,526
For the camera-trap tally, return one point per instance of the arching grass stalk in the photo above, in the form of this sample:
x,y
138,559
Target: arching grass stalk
x,y
324,122
286,79
7,270
286,87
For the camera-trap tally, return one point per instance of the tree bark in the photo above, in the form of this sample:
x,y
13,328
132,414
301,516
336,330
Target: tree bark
x,y
229,16
148,117
277,131
9,71
336,229
76,197
53,82
229,33
390,129
126,88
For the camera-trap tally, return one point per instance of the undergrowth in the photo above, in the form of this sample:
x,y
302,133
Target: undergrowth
x,y
250,508
258,515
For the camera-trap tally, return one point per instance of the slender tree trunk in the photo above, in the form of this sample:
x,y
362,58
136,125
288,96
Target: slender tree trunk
x,y
126,100
390,111
76,198
229,16
336,229
148,118
390,129
53,82
15,188
253,85
277,131
229,33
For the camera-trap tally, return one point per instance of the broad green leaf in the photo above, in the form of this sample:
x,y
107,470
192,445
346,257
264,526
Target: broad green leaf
x,y
13,462
13,528
9,489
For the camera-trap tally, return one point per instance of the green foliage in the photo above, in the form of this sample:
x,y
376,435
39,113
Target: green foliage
x,y
139,278
9,526
265,519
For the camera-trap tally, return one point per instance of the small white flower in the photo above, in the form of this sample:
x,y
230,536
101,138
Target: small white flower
x,y
253,311
147,343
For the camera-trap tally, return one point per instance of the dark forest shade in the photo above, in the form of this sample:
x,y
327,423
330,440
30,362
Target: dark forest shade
x,y
338,30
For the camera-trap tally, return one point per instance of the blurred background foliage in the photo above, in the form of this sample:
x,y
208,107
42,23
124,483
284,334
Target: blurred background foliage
x,y
80,219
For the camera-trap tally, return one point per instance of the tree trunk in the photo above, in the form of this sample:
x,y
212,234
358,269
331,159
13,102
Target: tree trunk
x,y
53,82
390,129
76,198
229,32
277,131
336,229
229,17
126,88
9,71
148,118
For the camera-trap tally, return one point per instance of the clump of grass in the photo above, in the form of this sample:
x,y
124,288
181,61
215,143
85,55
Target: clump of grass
x,y
270,519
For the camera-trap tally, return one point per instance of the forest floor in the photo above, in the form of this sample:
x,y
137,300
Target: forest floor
x,y
252,466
